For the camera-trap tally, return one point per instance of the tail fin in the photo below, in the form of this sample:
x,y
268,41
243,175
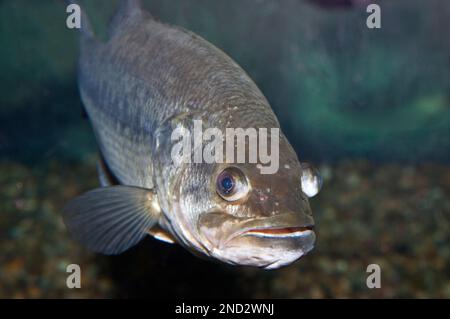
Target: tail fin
x,y
86,27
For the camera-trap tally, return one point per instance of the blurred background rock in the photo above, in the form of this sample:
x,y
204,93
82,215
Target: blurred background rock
x,y
371,107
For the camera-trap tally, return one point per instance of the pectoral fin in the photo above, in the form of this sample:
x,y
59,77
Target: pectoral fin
x,y
112,219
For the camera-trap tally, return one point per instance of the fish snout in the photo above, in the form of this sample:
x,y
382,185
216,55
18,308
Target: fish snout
x,y
269,243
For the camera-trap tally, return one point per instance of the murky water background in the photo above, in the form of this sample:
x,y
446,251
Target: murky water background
x,y
371,107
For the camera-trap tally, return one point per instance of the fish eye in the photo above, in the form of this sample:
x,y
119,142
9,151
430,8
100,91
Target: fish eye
x,y
232,184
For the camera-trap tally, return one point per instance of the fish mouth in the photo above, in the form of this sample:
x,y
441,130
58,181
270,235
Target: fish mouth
x,y
280,232
269,242
269,247
219,229
273,231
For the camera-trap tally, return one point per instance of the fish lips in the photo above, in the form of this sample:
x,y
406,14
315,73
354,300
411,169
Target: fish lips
x,y
269,252
268,243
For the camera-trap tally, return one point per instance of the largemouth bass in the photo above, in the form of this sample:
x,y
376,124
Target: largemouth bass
x,y
148,80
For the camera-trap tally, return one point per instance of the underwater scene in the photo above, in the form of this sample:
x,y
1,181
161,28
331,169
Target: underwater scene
x,y
360,91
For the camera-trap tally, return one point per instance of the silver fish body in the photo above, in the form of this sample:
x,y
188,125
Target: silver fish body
x,y
145,81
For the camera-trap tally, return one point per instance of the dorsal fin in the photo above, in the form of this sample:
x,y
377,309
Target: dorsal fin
x,y
127,9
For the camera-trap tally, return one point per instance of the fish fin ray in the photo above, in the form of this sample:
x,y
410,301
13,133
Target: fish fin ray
x,y
111,229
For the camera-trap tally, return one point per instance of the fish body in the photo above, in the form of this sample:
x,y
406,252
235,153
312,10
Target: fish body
x,y
146,81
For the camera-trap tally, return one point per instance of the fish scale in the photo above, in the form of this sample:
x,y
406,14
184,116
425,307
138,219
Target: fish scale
x,y
180,89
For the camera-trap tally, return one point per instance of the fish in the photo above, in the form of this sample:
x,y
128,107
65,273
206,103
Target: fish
x,y
138,86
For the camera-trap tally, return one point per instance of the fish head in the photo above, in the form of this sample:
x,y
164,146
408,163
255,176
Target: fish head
x,y
233,213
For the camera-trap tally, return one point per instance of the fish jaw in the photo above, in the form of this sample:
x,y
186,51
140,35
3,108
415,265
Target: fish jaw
x,y
268,243
268,252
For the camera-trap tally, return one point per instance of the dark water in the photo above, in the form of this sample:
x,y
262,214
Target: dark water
x,y
370,107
